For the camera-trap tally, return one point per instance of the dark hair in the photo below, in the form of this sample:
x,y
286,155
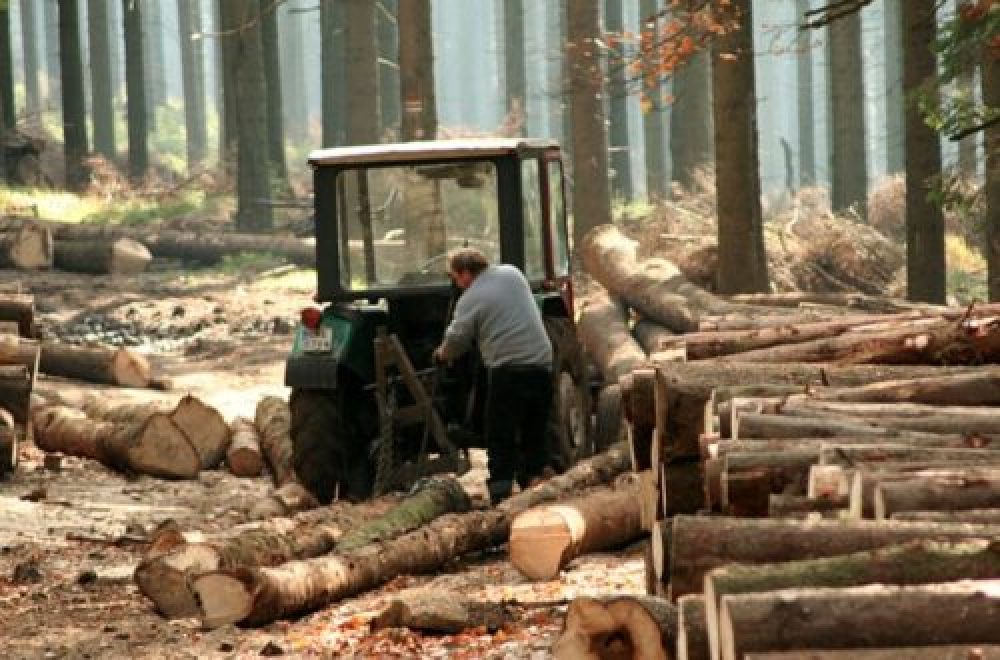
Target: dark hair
x,y
467,260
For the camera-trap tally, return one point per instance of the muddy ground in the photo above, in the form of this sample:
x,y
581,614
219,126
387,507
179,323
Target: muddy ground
x,y
70,535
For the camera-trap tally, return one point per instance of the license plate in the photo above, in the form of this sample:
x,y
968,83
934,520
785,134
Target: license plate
x,y
320,342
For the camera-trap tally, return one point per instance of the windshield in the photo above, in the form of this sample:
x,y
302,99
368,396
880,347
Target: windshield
x,y
399,222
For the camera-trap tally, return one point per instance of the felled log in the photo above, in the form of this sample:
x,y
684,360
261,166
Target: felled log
x,y
973,341
164,577
699,544
855,454
258,596
288,498
972,389
204,427
200,247
937,652
120,256
972,516
875,616
969,490
982,420
105,410
917,562
19,308
749,479
96,365
617,627
692,633
26,247
153,446
546,538
764,425
864,476
273,420
721,448
15,392
839,299
243,456
800,506
441,611
652,336
605,335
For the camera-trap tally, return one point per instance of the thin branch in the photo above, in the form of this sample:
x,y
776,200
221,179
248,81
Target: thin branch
x,y
966,132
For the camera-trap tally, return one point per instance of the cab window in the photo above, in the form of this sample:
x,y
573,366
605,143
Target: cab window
x,y
534,255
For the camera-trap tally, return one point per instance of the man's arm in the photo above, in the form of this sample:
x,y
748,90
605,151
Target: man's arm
x,y
461,331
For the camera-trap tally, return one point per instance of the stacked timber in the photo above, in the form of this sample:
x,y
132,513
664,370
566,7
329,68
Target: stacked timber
x,y
25,245
19,359
843,460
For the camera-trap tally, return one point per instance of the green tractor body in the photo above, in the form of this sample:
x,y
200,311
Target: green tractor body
x,y
386,216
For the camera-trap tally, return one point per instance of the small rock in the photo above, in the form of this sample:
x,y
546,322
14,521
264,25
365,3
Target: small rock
x,y
226,647
26,573
86,577
178,312
272,649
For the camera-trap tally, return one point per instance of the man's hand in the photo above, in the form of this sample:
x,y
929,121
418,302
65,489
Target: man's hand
x,y
439,355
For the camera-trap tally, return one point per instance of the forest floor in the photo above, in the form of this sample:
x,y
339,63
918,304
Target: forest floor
x,y
70,535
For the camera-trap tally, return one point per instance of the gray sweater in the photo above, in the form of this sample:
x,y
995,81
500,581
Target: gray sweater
x,y
499,311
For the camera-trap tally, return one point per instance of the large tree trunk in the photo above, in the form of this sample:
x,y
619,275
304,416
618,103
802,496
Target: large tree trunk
x,y
332,74
153,445
514,71
892,17
102,89
255,597
918,562
272,76
606,338
700,544
135,92
122,256
618,627
362,72
925,253
972,389
618,134
75,147
273,421
692,633
591,193
416,71
654,118
692,128
26,247
96,365
804,88
873,616
930,493
243,457
544,539
165,578
29,41
193,80
742,257
989,72
849,189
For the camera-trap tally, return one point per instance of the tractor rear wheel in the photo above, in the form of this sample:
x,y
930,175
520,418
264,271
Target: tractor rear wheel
x,y
570,419
330,452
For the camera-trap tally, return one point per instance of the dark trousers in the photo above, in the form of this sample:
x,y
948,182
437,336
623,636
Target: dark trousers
x,y
518,401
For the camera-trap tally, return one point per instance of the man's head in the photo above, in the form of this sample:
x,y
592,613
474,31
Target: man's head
x,y
464,264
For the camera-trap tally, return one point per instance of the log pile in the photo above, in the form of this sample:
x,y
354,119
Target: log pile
x,y
833,454
19,359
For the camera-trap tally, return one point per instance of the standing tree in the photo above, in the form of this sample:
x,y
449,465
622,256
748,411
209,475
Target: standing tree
x,y
135,91
515,78
388,70
849,189
50,16
272,76
591,191
925,254
293,79
102,92
653,115
742,258
74,106
692,133
333,46
6,71
193,75
807,120
618,104
156,66
892,17
226,51
990,74
241,25
29,43
416,71
362,72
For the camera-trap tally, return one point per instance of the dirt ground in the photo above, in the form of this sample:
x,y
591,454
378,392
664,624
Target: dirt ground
x,y
70,535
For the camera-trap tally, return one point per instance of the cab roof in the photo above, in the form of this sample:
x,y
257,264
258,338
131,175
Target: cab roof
x,y
428,150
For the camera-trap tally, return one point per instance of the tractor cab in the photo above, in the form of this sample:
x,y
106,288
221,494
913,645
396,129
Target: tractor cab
x,y
367,400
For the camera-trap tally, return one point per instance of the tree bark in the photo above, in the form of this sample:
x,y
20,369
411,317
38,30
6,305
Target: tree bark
x,y
96,365
273,421
122,256
416,71
700,544
804,88
863,477
748,480
441,611
102,89
971,516
243,456
945,493
26,247
135,92
270,46
29,41
362,72
692,126
619,626
618,134
653,337
165,578
872,616
800,507
973,389
654,118
514,71
334,94
849,189
74,108
591,193
692,633
742,256
989,72
892,16
605,336
153,445
255,597
925,252
193,75
544,539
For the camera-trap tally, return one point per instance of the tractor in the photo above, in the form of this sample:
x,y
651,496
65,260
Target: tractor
x,y
370,411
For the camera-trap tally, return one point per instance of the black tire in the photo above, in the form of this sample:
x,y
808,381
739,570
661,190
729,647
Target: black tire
x,y
609,425
570,418
328,449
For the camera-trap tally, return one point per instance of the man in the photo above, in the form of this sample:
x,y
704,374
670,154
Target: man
x,y
498,312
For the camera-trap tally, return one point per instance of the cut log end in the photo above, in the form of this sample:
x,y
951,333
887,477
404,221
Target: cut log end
x,y
539,540
205,429
163,450
222,599
130,369
164,579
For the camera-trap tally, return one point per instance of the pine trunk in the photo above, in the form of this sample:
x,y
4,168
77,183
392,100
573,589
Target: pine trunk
x,y
618,133
543,540
193,74
416,71
692,130
946,493
135,92
989,72
272,77
619,626
74,107
122,256
102,89
603,331
849,189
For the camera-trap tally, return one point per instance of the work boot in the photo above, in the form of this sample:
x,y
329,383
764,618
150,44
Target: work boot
x,y
499,490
